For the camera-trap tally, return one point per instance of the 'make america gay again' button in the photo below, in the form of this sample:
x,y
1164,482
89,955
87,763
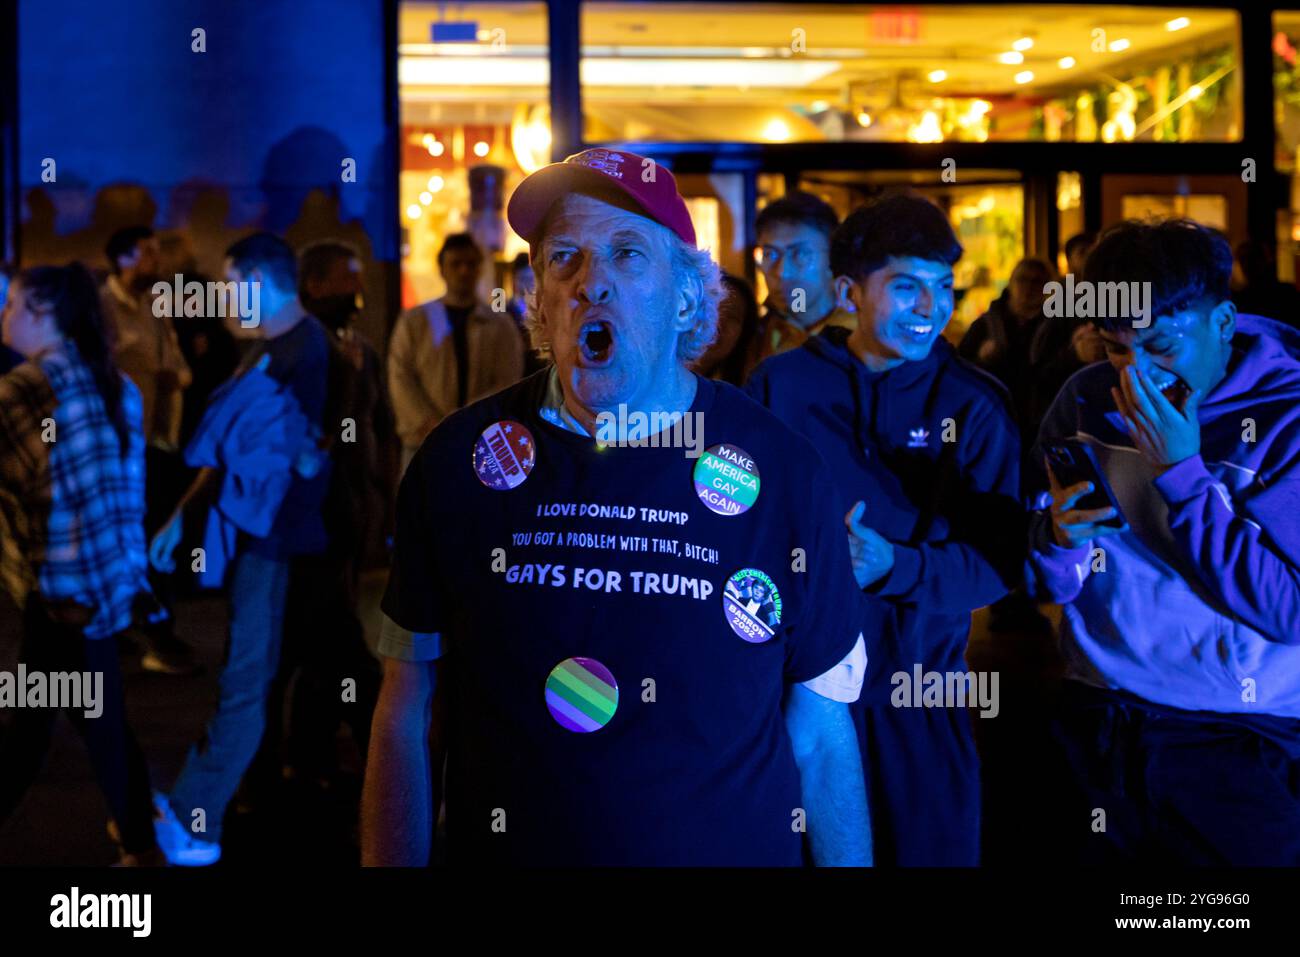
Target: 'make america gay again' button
x,y
726,480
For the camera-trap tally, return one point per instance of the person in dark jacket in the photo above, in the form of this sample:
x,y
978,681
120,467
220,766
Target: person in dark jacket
x,y
927,457
1002,341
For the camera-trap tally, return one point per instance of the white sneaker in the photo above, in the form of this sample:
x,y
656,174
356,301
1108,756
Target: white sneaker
x,y
182,848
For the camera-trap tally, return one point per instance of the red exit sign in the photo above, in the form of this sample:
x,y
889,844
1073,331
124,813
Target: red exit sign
x,y
894,25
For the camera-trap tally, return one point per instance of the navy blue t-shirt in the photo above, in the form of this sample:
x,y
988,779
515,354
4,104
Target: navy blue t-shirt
x,y
526,547
299,361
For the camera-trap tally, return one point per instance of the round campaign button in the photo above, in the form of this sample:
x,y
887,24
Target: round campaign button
x,y
726,480
752,605
581,694
504,455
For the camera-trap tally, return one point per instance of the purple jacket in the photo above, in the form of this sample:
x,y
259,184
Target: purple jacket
x,y
1198,605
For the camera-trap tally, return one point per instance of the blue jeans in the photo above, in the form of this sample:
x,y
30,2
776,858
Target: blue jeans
x,y
215,765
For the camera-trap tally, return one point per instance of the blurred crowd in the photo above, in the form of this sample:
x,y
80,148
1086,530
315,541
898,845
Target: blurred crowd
x,y
265,462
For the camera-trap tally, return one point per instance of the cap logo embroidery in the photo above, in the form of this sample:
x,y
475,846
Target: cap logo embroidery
x,y
611,164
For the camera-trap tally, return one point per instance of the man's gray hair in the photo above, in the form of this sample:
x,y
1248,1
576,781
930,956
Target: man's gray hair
x,y
690,265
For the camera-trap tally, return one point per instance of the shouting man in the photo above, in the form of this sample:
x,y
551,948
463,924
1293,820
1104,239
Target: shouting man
x,y
574,597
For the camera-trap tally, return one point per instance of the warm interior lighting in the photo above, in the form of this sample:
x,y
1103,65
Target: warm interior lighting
x,y
937,76
1119,46
819,105
1024,76
864,118
1177,23
498,71
530,137
413,211
435,183
1195,90
480,149
426,198
776,130
1065,62
1012,58
435,148
927,130
1023,44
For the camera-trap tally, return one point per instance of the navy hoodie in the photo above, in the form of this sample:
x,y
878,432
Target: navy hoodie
x,y
932,449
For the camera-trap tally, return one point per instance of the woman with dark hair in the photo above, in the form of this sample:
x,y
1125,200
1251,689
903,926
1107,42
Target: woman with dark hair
x,y
735,350
71,527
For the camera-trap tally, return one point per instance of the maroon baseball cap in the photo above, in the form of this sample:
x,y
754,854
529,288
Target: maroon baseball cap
x,y
652,189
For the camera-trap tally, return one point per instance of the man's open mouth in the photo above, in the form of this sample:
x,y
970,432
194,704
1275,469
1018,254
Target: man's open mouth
x,y
596,342
1171,386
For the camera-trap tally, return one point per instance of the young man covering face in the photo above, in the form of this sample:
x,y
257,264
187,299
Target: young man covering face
x,y
1182,718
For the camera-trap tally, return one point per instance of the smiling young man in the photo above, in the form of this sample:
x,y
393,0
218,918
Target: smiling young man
x,y
926,462
1182,721
610,695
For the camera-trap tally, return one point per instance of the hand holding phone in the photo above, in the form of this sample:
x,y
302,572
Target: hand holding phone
x,y
1083,506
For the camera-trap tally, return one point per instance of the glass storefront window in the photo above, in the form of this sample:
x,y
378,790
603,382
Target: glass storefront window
x,y
816,72
987,214
473,89
1069,214
1286,141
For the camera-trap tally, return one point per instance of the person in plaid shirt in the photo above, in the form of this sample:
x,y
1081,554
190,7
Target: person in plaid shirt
x,y
71,520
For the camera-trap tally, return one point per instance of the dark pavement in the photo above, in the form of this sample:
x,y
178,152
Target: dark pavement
x,y
61,821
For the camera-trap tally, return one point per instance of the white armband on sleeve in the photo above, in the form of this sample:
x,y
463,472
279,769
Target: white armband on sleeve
x,y
843,682
406,645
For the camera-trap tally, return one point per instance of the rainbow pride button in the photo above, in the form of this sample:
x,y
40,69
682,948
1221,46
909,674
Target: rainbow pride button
x,y
581,694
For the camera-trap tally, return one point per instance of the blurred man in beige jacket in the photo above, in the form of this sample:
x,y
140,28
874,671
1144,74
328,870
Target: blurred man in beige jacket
x,y
451,351
146,348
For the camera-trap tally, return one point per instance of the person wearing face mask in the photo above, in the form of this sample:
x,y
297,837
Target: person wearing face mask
x,y
331,287
926,458
324,641
632,669
1180,718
